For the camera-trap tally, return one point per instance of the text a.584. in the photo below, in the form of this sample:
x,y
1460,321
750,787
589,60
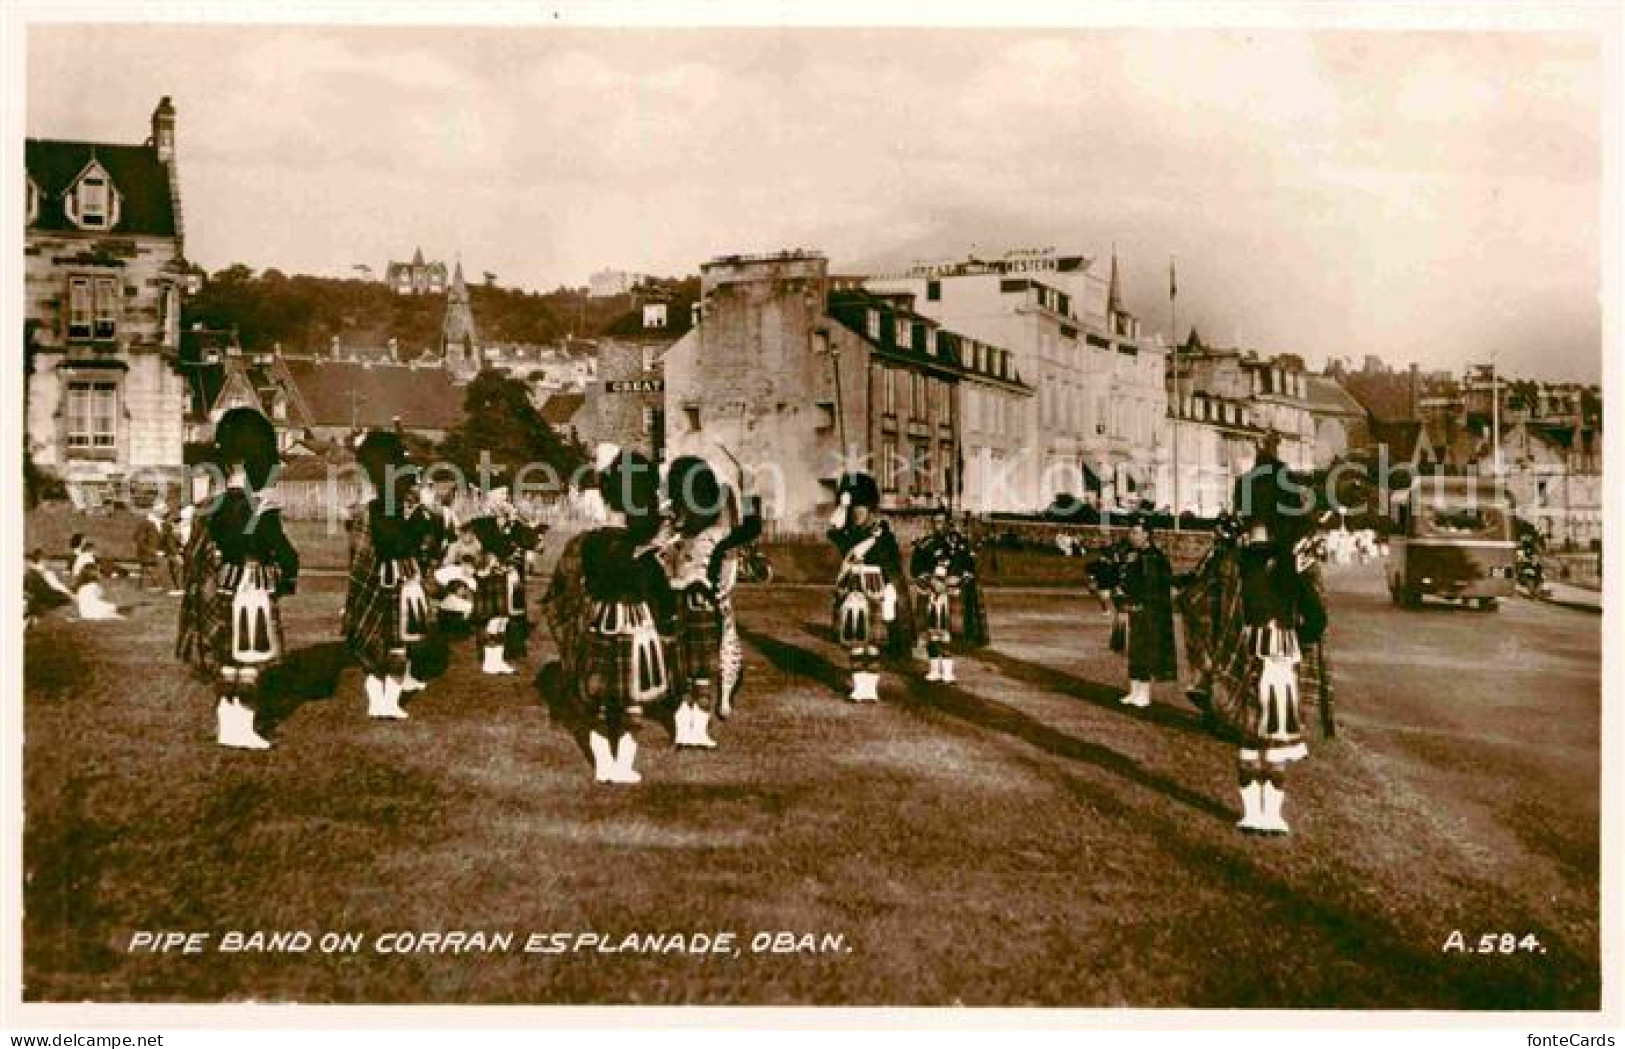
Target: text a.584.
x,y
1460,942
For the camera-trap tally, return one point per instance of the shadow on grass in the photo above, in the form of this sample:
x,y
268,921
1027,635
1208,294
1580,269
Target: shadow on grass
x,y
570,713
1103,696
987,714
1259,873
305,675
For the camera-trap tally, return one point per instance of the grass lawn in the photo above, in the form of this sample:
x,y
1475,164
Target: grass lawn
x,y
1016,840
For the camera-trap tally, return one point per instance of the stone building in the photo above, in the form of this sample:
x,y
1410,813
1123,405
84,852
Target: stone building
x,y
1229,401
791,377
104,275
626,403
1341,423
754,381
908,432
1097,413
416,277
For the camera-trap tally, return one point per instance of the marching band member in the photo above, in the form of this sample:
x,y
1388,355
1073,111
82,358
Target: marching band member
x,y
867,588
498,586
943,566
430,526
387,609
523,537
1145,597
239,563
702,569
433,527
1282,614
617,656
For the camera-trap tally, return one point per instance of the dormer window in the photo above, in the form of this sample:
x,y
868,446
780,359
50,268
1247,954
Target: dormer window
x,y
931,341
92,202
871,319
654,315
905,333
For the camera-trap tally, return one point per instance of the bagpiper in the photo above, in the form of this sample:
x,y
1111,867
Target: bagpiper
x,y
499,585
870,586
943,566
239,564
1282,614
1144,598
386,612
611,649
702,567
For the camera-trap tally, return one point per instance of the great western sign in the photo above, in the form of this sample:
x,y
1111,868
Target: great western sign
x,y
635,386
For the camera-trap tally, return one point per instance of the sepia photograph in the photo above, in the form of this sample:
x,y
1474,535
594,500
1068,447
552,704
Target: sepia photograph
x,y
1072,515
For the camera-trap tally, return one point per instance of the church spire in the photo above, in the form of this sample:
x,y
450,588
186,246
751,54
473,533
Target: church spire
x,y
457,338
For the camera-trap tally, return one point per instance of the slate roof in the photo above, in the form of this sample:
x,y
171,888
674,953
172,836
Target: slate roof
x,y
141,180
1328,396
338,393
629,325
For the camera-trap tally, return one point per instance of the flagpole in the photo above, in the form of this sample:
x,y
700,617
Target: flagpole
x,y
1179,403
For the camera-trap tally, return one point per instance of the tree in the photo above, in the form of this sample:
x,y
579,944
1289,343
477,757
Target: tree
x,y
500,422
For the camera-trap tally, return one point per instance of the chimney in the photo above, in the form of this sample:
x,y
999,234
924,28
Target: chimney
x,y
1414,391
163,130
163,143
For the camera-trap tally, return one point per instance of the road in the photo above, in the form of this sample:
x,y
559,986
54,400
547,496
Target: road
x,y
1016,839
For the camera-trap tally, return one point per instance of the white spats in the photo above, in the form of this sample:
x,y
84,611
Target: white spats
x,y
626,751
1138,695
494,663
412,684
603,759
612,763
234,726
1252,806
948,670
1270,820
865,687
383,698
392,699
935,673
690,722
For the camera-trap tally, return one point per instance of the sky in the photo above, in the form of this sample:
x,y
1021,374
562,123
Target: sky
x,y
1429,197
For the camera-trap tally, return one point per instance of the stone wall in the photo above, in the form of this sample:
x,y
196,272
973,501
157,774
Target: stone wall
x,y
150,419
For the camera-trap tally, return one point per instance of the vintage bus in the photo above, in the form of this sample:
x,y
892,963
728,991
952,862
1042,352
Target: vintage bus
x,y
1452,537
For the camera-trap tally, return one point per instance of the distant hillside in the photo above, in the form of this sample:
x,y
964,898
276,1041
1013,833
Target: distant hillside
x,y
305,313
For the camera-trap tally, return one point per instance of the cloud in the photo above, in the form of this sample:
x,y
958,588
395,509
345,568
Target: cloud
x,y
1335,193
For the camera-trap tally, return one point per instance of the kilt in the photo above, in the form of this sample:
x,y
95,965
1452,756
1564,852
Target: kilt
x,y
204,635
856,612
697,641
565,608
490,596
622,667
939,615
858,606
375,616
1222,651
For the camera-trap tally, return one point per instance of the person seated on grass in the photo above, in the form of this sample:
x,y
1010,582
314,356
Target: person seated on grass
x,y
88,594
77,558
42,589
